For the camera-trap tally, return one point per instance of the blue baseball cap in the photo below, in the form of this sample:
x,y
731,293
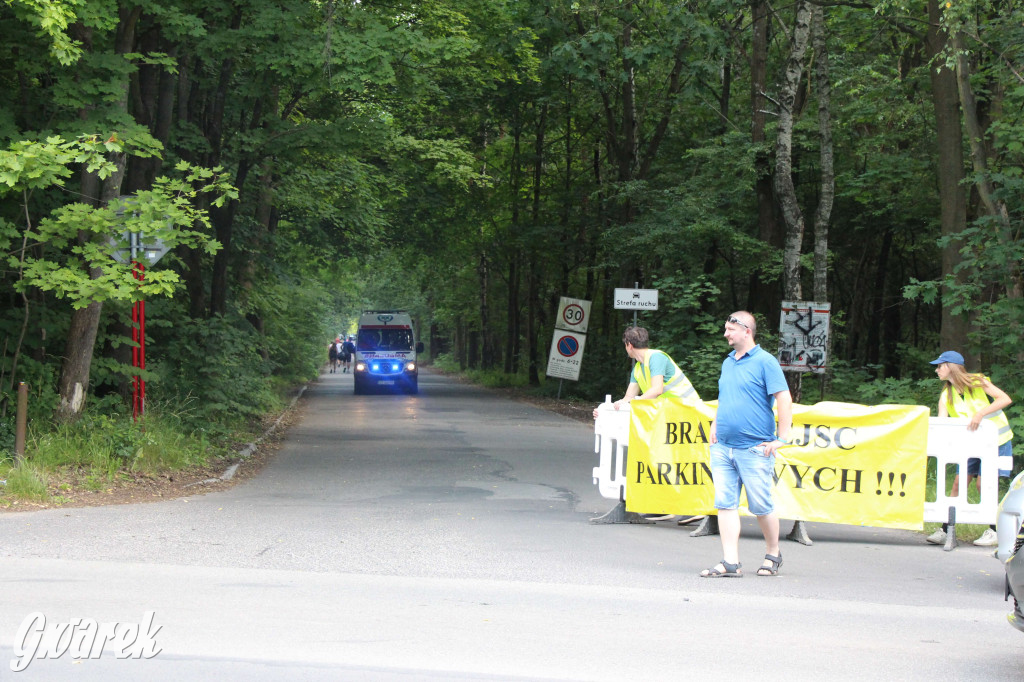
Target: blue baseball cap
x,y
949,356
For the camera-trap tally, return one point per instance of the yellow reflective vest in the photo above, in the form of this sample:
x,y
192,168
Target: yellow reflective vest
x,y
677,385
970,403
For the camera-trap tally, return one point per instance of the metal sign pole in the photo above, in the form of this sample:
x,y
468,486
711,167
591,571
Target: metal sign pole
x,y
632,362
636,285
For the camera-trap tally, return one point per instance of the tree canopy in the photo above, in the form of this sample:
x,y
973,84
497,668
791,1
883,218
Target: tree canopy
x,y
474,160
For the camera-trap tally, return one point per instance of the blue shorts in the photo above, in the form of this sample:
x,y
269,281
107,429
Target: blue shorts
x,y
974,464
747,467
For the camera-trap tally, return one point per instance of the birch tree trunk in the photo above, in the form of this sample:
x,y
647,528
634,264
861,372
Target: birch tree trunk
x,y
784,188
827,191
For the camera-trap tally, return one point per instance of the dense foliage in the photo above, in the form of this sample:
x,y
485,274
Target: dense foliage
x,y
474,160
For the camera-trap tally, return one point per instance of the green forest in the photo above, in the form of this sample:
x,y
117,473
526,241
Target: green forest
x,y
472,161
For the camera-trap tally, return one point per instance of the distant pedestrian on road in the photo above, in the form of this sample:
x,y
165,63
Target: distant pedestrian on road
x,y
967,396
334,353
744,442
347,349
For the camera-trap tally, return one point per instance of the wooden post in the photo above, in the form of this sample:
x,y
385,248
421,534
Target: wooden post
x,y
21,423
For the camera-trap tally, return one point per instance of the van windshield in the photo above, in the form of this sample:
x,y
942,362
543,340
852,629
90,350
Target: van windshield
x,y
385,339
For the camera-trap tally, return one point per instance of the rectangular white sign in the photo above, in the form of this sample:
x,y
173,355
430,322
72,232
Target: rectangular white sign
x,y
573,314
803,336
636,299
566,355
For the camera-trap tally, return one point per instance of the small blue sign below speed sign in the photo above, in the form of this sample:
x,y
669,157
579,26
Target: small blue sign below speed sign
x,y
566,355
568,346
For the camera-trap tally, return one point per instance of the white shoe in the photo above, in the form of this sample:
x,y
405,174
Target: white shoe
x,y
937,538
987,539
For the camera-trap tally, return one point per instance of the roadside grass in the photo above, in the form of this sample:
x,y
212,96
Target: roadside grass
x,y
490,378
26,482
519,386
99,448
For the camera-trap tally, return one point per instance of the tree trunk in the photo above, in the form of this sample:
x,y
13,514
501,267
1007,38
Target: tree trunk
x,y
630,139
980,153
874,340
473,349
263,218
81,342
784,187
952,196
823,214
435,342
536,263
192,259
74,374
763,296
976,137
483,284
512,302
223,218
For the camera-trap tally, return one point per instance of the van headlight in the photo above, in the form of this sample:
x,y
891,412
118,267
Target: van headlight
x,y
410,367
360,366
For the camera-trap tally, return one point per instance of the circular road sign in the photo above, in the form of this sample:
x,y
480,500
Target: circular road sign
x,y
573,314
568,346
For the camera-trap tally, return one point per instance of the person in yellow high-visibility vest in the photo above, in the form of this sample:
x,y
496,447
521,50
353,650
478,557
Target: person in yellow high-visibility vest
x,y
654,373
974,397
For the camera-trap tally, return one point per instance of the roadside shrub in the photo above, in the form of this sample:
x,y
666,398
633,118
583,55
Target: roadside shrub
x,y
898,392
105,443
26,481
217,363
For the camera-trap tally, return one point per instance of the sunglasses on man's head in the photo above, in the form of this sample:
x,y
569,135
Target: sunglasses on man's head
x,y
736,321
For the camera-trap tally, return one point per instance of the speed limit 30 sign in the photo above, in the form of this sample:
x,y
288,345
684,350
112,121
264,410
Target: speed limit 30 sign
x,y
573,314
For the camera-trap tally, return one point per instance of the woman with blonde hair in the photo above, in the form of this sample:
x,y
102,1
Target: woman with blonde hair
x,y
974,397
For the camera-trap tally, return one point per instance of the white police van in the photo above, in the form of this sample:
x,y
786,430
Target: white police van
x,y
386,349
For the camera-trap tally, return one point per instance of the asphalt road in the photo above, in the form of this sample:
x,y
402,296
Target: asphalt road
x,y
446,536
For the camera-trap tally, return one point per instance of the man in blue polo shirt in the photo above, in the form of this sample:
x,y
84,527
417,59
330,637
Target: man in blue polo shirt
x,y
743,444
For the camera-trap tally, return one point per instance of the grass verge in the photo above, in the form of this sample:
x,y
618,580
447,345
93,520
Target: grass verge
x,y
102,453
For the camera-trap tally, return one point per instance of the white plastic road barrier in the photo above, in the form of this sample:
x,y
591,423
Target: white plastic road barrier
x,y
611,443
950,444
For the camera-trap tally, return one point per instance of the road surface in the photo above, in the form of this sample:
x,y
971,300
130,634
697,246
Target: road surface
x,y
446,536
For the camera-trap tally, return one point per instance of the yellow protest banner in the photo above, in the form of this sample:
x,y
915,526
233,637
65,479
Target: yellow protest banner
x,y
853,464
